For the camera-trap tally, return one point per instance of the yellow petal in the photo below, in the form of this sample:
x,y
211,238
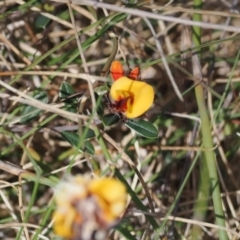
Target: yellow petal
x,y
117,208
80,199
141,92
64,219
108,188
112,192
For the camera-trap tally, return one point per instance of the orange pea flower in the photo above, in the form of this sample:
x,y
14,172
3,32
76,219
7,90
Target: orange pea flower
x,y
130,96
117,71
86,206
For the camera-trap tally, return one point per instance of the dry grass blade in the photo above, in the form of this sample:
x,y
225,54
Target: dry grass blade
x,y
136,12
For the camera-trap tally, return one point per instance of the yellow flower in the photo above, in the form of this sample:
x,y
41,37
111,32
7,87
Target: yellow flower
x,y
85,206
111,196
131,97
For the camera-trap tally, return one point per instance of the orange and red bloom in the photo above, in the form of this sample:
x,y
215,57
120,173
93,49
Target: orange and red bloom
x,y
130,97
86,206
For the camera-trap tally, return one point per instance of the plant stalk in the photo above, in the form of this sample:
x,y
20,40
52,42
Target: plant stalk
x,y
209,160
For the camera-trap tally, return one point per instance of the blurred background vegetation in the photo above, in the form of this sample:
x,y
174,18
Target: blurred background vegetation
x,y
41,63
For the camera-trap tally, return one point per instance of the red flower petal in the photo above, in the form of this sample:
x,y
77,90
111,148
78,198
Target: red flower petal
x,y
134,74
121,105
116,70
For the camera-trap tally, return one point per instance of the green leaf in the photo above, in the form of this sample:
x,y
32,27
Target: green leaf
x,y
29,112
100,109
65,90
110,119
73,137
74,140
89,148
71,106
143,128
42,21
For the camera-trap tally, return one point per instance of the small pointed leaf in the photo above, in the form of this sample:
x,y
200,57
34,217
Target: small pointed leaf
x,y
99,102
89,148
29,112
110,119
65,90
143,128
73,139
42,21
